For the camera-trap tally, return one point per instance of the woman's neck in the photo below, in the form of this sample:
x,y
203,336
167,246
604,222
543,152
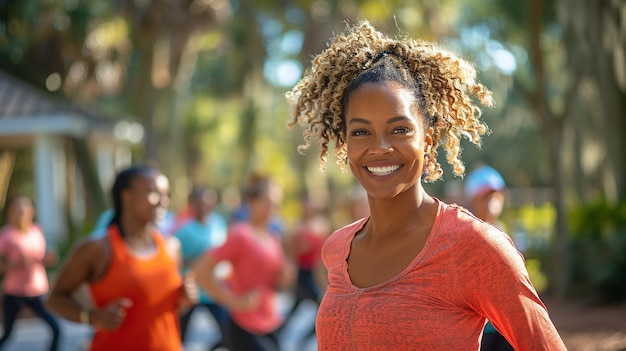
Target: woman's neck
x,y
403,212
22,228
137,237
201,219
131,229
260,227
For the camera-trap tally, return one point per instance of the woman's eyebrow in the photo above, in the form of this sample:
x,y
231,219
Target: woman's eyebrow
x,y
359,120
389,121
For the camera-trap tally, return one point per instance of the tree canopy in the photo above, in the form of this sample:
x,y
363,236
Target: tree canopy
x,y
207,78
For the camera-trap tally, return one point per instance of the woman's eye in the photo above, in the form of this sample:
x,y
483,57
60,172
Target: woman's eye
x,y
358,132
402,130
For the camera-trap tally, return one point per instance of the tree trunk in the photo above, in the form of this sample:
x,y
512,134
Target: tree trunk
x,y
94,194
604,21
551,125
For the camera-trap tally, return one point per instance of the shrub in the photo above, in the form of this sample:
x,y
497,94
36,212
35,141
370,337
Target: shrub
x,y
598,246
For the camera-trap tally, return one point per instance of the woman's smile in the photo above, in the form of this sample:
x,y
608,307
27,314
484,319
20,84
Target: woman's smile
x,y
384,170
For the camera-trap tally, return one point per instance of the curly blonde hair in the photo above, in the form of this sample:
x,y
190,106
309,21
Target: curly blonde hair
x,y
442,81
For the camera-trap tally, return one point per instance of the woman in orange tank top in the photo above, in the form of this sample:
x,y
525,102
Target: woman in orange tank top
x,y
132,273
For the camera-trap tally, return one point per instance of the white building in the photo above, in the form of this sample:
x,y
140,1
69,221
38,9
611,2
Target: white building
x,y
32,120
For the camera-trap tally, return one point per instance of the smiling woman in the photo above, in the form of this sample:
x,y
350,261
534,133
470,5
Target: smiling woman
x,y
416,273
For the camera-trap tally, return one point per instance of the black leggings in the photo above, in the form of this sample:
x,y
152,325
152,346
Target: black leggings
x,y
306,289
242,340
220,314
494,341
11,308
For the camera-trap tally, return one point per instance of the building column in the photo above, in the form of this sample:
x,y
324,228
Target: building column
x,y
110,159
50,187
105,164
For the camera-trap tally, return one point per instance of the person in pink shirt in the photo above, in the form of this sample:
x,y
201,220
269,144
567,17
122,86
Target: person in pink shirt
x,y
417,273
259,269
23,258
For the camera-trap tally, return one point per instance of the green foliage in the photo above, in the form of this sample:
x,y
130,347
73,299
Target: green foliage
x,y
598,244
232,118
530,226
536,274
598,220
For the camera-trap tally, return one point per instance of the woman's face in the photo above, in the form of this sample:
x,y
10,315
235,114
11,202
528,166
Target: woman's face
x,y
203,204
266,205
21,214
385,139
488,206
148,198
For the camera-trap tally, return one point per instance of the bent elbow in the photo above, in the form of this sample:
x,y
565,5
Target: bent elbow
x,y
48,303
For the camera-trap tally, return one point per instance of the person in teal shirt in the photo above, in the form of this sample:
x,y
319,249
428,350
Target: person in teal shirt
x,y
204,230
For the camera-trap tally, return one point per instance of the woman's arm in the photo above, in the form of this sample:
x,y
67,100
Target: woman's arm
x,y
9,263
173,249
86,262
497,285
188,291
286,276
50,258
4,264
204,271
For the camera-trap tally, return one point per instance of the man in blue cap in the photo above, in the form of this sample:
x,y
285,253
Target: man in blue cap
x,y
485,188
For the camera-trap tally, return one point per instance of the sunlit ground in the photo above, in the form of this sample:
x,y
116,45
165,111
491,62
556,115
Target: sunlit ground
x,y
583,328
204,332
32,334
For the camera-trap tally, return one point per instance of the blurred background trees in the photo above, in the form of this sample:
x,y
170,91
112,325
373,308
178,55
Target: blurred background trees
x,y
206,78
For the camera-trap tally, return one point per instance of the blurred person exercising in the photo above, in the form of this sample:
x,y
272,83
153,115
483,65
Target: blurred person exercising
x,y
203,231
132,272
484,187
304,247
259,269
23,257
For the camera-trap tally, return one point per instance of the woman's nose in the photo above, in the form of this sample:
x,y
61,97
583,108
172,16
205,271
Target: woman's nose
x,y
155,198
382,144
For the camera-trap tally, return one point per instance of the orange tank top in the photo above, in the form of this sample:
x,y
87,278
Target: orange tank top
x,y
152,284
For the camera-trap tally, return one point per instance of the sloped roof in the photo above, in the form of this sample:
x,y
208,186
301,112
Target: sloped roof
x,y
18,99
26,111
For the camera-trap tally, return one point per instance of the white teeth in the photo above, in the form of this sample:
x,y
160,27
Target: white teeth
x,y
383,171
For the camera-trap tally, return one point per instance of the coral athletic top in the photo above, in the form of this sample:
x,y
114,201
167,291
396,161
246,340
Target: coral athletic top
x,y
153,285
256,265
467,271
27,250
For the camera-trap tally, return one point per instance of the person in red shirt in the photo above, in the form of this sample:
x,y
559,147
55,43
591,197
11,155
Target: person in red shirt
x,y
132,273
304,247
23,257
417,273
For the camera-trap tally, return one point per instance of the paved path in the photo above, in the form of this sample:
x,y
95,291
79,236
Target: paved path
x,y
33,335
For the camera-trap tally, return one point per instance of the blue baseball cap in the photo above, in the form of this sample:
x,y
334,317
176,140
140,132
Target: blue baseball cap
x,y
481,180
